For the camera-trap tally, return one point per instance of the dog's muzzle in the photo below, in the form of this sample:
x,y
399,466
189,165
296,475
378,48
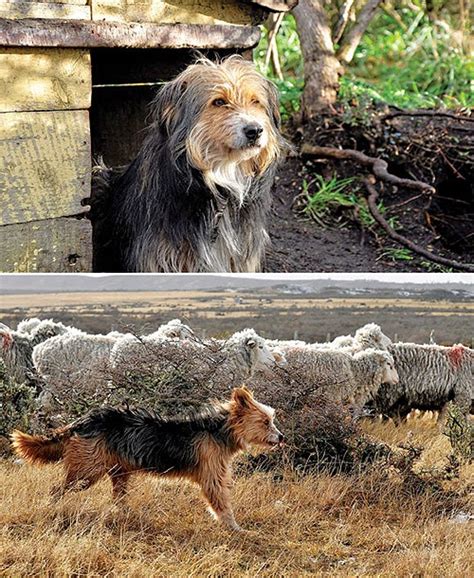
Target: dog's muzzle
x,y
252,133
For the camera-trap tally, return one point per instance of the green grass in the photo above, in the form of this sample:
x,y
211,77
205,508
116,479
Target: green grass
x,y
396,254
417,65
323,199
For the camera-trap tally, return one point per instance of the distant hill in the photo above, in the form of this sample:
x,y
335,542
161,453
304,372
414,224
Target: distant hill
x,y
15,284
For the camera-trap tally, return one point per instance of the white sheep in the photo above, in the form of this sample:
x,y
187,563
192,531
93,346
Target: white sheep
x,y
27,325
79,362
341,375
214,363
17,347
370,336
430,377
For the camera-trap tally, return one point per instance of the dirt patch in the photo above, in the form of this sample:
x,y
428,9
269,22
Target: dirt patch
x,y
431,149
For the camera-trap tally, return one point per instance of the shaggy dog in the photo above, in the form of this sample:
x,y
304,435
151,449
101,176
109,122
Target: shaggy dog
x,y
117,442
197,196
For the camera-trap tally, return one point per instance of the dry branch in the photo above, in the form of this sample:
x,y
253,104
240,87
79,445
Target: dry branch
x,y
342,20
372,203
428,113
378,166
351,41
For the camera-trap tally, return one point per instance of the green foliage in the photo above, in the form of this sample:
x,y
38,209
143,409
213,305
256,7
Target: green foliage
x,y
397,254
417,64
408,62
16,403
291,87
324,204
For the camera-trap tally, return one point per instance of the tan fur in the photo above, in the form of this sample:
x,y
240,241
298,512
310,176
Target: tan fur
x,y
88,460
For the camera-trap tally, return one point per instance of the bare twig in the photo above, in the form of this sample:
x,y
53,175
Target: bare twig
x,y
378,166
273,26
428,113
351,41
342,20
372,204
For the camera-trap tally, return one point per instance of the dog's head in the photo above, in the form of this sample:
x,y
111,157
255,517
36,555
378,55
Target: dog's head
x,y
219,114
251,421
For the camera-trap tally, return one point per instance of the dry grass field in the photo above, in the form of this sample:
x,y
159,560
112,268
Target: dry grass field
x,y
363,525
271,313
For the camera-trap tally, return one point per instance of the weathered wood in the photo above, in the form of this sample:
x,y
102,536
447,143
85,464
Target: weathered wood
x,y
53,246
45,164
172,12
276,5
44,79
87,34
78,2
22,9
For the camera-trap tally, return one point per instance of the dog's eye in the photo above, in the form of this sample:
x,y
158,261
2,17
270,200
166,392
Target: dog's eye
x,y
255,101
219,102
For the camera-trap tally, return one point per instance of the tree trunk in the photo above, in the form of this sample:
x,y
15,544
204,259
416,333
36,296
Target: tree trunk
x,y
321,67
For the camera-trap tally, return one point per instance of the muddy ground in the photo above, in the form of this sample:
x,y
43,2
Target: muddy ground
x,y
436,150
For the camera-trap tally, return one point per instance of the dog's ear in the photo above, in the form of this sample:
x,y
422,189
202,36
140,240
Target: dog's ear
x,y
166,107
273,104
242,396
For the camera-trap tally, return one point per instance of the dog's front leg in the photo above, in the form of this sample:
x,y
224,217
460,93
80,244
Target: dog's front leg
x,y
216,490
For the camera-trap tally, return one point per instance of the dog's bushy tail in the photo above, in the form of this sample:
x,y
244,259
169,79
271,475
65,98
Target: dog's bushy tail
x,y
39,449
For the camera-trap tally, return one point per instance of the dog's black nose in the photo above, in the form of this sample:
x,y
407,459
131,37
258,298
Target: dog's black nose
x,y
253,131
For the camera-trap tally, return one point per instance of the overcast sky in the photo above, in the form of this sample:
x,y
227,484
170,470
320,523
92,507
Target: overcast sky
x,y
382,277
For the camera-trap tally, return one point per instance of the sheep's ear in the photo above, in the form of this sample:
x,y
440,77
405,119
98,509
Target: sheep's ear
x,y
242,396
251,343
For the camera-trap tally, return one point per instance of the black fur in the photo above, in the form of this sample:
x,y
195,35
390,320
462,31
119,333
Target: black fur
x,y
160,196
154,443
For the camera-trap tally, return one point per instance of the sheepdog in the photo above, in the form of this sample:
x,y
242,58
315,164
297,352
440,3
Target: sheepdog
x,y
197,196
198,446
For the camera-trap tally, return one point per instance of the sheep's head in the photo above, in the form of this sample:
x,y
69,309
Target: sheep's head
x,y
380,365
371,336
279,357
260,354
175,329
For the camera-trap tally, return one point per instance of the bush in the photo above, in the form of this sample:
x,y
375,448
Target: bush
x,y
16,407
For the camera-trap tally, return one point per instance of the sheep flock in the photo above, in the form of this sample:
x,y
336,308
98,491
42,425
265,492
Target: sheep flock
x,y
366,370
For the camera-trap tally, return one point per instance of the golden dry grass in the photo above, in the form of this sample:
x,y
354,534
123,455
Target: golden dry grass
x,y
321,525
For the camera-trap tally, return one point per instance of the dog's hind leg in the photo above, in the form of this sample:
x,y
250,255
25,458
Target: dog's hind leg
x,y
84,466
119,478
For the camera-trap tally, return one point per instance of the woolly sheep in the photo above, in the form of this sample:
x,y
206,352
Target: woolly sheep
x,y
27,325
430,377
370,336
213,363
17,348
79,363
341,374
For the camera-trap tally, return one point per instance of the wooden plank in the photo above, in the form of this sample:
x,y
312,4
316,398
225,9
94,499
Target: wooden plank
x,y
44,79
88,34
55,246
78,2
20,9
172,12
276,5
45,164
